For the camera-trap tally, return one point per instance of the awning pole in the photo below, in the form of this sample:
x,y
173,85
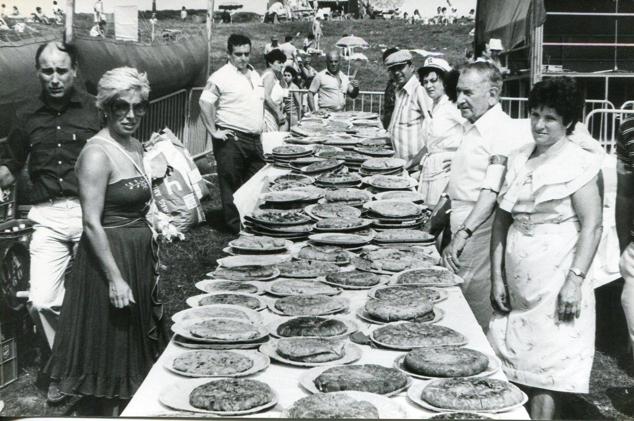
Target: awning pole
x,y
70,14
210,24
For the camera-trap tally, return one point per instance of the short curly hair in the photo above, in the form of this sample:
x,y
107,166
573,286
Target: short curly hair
x,y
562,95
275,55
117,81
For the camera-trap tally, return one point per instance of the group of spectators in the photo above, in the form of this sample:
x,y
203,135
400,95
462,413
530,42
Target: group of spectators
x,y
38,16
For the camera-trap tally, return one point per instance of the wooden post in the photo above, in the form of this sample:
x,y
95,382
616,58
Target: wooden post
x,y
210,25
70,15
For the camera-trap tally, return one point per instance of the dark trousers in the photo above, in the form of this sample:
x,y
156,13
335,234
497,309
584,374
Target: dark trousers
x,y
237,161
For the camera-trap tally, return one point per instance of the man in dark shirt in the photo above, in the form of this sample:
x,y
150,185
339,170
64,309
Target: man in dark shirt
x,y
625,218
49,131
390,93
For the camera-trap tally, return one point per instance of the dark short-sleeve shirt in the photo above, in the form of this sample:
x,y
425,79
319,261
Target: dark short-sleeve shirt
x,y
50,140
625,144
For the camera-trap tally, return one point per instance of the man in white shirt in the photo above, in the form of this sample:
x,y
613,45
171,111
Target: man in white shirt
x,y
232,110
411,105
332,86
477,173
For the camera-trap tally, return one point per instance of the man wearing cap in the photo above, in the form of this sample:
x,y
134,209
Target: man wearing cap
x,y
272,45
411,105
332,86
476,175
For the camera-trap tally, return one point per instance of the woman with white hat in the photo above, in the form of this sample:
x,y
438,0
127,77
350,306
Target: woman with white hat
x,y
442,129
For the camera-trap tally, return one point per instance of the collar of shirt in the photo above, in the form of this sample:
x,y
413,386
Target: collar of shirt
x,y
40,103
335,75
410,86
487,122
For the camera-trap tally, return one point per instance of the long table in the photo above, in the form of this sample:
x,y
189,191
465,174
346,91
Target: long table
x,y
284,379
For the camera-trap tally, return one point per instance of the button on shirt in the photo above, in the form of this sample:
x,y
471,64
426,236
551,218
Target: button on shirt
x,y
411,105
332,90
493,134
238,98
51,141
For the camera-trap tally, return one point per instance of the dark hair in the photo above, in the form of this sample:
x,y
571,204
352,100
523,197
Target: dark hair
x,y
489,70
236,40
293,72
288,38
311,36
388,52
562,95
275,55
69,49
424,71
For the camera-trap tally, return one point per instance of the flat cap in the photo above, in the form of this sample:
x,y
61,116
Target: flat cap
x,y
397,58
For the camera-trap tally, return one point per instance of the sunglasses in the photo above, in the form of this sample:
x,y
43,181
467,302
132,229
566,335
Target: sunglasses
x,y
121,108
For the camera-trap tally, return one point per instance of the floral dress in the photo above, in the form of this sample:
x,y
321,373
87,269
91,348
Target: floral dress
x,y
537,349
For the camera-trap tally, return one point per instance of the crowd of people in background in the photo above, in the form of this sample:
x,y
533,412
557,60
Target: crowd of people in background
x,y
14,20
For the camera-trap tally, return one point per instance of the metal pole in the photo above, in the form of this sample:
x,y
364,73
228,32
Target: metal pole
x,y
70,15
616,36
210,24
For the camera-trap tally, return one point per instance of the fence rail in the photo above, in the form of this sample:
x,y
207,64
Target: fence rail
x,y
611,119
166,111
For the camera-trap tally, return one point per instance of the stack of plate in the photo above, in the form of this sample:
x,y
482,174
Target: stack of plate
x,y
395,213
376,166
294,196
338,179
322,166
289,224
348,196
410,196
379,151
352,160
255,244
284,155
390,182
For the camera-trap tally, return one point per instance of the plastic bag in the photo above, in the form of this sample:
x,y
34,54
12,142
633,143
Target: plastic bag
x,y
178,187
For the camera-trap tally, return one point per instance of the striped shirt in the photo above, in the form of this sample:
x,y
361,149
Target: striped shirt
x,y
411,106
625,144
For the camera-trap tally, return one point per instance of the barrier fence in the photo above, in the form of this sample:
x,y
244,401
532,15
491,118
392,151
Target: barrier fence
x,y
610,119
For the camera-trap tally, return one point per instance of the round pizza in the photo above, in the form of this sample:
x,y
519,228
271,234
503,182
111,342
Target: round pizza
x,y
334,210
306,268
299,178
395,310
258,243
392,260
312,326
322,166
446,362
389,182
287,185
228,298
380,150
403,236
212,363
353,278
338,224
308,305
231,395
333,406
281,217
380,164
436,275
245,273
310,350
393,209
472,394
371,378
348,195
290,150
338,178
411,196
210,312
234,286
409,335
399,292
301,287
332,254
224,330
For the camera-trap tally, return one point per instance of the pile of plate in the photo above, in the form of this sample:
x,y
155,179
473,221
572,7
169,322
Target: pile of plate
x,y
404,236
348,196
378,151
322,166
395,213
338,179
349,241
352,159
383,182
376,166
291,224
284,155
257,245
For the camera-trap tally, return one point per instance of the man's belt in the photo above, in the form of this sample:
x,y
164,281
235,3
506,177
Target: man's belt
x,y
253,136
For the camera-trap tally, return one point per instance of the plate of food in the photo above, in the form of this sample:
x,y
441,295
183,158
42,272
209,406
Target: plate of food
x,y
280,217
378,151
217,363
306,268
250,301
383,164
322,166
342,224
223,397
471,394
433,294
390,182
298,178
245,273
406,336
342,239
330,254
311,352
353,280
411,196
219,330
433,316
445,362
341,405
414,309
308,305
255,243
288,196
240,261
215,311
389,260
332,210
288,287
437,276
393,209
347,195
219,285
372,378
312,327
404,235
291,150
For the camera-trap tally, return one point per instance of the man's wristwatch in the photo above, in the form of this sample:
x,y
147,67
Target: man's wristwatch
x,y
578,272
466,231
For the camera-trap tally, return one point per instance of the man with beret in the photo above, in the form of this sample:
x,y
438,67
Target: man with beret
x,y
411,105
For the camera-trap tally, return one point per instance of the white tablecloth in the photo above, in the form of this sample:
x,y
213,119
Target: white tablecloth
x,y
284,378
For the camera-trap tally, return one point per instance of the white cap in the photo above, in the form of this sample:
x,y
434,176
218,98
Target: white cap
x,y
495,44
437,63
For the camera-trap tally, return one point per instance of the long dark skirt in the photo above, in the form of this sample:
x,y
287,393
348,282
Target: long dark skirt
x,y
100,350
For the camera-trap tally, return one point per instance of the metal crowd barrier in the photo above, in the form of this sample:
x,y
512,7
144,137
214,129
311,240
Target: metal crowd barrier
x,y
515,107
609,120
166,111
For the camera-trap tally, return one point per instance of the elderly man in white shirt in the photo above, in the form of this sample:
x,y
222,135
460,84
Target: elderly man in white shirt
x,y
477,173
232,110
411,106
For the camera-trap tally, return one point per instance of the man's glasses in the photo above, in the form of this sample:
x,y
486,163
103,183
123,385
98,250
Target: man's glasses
x,y
121,108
